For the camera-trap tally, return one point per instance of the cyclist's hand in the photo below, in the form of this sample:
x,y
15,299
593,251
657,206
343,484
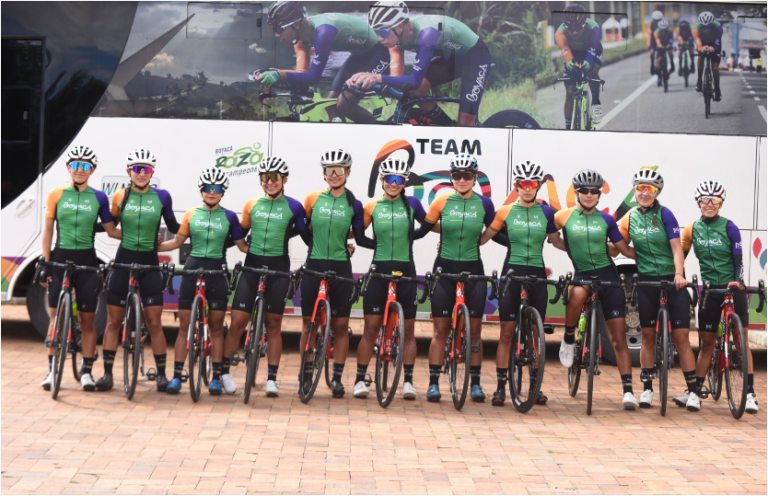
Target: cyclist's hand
x,y
45,279
571,65
159,239
680,281
741,286
586,65
269,78
351,249
364,80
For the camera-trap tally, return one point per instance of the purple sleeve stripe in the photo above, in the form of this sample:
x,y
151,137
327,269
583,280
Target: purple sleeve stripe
x,y
234,225
735,235
418,209
670,222
357,215
550,216
299,215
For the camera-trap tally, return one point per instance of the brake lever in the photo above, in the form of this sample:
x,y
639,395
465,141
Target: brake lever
x,y
425,290
567,287
761,295
494,286
38,269
558,290
695,287
706,295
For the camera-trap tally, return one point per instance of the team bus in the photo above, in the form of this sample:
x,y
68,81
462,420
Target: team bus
x,y
70,80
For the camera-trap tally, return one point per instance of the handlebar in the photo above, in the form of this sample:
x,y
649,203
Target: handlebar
x,y
560,284
664,286
199,273
377,89
69,269
595,283
467,276
734,288
581,77
329,276
111,266
395,277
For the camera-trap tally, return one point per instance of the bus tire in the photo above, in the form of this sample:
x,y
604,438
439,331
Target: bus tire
x,y
37,308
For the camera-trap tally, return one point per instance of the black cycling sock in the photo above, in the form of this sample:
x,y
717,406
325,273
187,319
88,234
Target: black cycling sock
x,y
474,374
361,370
50,363
160,361
647,385
501,378
272,372
570,335
690,380
594,88
751,383
699,383
338,369
216,370
88,365
434,374
626,383
226,363
109,360
567,122
408,371
178,368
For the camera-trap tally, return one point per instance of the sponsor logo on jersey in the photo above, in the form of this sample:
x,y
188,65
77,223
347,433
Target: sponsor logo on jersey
x,y
267,215
356,40
392,215
592,228
523,223
142,209
380,67
75,206
334,212
479,84
646,231
709,242
452,46
206,224
466,215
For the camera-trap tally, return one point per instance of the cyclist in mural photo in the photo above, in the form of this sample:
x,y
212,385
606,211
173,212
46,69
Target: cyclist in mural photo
x,y
444,53
579,40
707,35
650,44
326,33
685,38
664,43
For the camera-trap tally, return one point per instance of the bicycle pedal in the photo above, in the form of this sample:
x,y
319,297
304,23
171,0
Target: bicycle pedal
x,y
184,376
646,378
235,360
151,374
368,381
597,372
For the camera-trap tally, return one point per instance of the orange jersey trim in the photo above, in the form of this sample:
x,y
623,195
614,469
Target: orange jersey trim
x,y
686,238
562,216
309,202
436,208
245,220
53,198
501,217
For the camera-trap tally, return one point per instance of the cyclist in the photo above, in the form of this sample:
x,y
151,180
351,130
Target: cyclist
x,y
271,219
139,207
210,227
586,231
392,218
707,35
462,215
74,210
716,241
579,42
463,55
526,224
664,43
332,213
655,236
685,38
650,44
328,33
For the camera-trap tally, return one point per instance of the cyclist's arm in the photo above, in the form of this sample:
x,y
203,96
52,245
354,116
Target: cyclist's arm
x,y
50,218
557,241
396,62
117,199
697,39
181,235
496,226
432,218
358,227
686,239
615,237
168,216
594,43
106,217
736,252
552,232
426,48
624,230
324,36
562,43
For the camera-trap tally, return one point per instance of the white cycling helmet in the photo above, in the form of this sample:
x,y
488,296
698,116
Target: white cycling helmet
x,y
273,164
336,157
657,15
395,166
80,152
648,176
706,18
387,15
213,175
710,188
141,156
588,178
528,171
464,161
663,24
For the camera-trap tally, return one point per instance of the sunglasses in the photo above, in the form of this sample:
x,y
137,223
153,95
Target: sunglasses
x,y
143,169
335,170
83,166
589,191
273,176
646,188
528,184
280,29
216,189
710,200
458,176
576,29
394,179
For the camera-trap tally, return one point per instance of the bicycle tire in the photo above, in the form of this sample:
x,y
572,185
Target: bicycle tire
x,y
388,370
663,364
574,371
511,118
253,352
686,69
195,344
77,350
738,367
327,367
593,352
323,334
458,369
131,349
714,378
532,360
61,338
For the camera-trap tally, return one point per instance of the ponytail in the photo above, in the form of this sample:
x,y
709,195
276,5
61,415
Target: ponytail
x,y
126,193
351,199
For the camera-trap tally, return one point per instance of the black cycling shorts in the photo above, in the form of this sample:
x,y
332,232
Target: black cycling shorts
x,y
248,285
475,292
710,317
678,304
376,61
150,282
613,300
472,68
509,306
86,284
375,298
215,285
339,292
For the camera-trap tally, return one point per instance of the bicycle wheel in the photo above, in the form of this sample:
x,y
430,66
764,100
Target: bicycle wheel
x,y
662,360
593,352
61,341
576,115
195,346
76,348
314,356
526,361
389,355
574,371
714,378
132,345
737,360
327,367
253,350
665,77
686,68
512,118
458,368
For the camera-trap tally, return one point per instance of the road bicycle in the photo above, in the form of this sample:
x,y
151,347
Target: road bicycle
x,y
316,350
458,346
686,61
664,67
255,337
664,348
526,356
390,342
729,357
67,336
588,349
581,119
198,339
708,84
134,324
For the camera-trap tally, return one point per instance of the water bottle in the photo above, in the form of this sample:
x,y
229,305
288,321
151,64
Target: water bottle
x,y
720,327
582,325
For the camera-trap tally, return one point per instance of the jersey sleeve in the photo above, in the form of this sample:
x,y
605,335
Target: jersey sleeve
x,y
735,236
418,209
490,210
117,199
104,214
184,227
302,56
562,216
368,213
234,225
299,215
696,37
500,217
435,208
670,222
426,48
686,239
562,43
50,203
549,214
357,214
245,220
324,36
594,43
168,215
309,203
624,227
613,229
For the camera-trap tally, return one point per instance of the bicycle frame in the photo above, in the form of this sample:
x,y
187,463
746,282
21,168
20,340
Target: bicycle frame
x,y
200,291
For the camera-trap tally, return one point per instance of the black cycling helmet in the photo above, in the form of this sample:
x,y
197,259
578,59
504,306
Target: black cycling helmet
x,y
283,14
684,25
575,16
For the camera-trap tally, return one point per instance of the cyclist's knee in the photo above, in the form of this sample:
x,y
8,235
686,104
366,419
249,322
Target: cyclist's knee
x,y
505,337
468,120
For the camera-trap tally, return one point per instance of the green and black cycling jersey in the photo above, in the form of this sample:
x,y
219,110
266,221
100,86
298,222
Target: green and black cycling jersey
x,y
140,213
331,219
76,213
392,222
652,249
716,241
272,224
586,237
526,228
208,231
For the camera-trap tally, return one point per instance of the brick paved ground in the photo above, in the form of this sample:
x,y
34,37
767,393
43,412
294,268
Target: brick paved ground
x,y
101,443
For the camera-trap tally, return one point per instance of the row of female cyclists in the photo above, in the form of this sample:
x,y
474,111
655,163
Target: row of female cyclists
x,y
649,233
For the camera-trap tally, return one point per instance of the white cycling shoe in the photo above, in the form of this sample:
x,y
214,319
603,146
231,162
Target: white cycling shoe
x,y
230,386
566,353
646,398
360,390
272,390
86,380
694,402
629,402
409,391
751,403
46,384
597,113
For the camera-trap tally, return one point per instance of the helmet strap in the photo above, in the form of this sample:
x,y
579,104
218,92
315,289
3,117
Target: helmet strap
x,y
390,197
336,188
140,189
276,195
